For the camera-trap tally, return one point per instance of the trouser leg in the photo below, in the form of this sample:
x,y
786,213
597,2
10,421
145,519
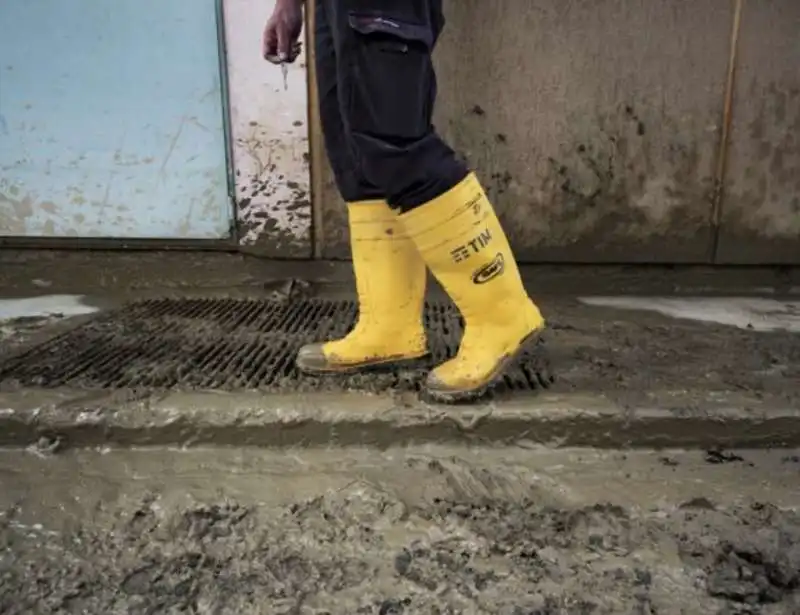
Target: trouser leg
x,y
387,92
389,272
350,180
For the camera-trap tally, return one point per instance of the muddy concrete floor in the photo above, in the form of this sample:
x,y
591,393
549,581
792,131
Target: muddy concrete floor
x,y
635,357
134,272
16,333
641,357
419,530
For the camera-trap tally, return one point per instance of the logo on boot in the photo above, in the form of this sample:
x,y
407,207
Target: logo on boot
x,y
473,246
490,270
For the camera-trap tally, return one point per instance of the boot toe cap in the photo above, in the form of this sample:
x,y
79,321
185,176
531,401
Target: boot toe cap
x,y
311,358
446,383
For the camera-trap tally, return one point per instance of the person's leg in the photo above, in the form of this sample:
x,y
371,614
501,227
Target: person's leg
x,y
351,182
389,93
390,274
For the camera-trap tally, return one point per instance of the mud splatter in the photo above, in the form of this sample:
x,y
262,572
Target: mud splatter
x,y
610,181
274,209
760,218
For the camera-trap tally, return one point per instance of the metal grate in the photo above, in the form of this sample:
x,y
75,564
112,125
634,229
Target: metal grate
x,y
226,344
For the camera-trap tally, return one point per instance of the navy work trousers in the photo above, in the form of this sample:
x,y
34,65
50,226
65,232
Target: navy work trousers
x,y
377,89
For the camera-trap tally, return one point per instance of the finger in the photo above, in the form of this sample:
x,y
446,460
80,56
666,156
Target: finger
x,y
284,43
270,44
271,53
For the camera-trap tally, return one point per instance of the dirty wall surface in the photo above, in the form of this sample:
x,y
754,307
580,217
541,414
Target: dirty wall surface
x,y
269,139
596,127
761,207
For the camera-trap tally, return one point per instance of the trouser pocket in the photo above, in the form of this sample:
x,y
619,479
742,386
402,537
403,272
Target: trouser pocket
x,y
392,82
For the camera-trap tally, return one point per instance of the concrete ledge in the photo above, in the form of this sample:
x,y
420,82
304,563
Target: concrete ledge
x,y
131,418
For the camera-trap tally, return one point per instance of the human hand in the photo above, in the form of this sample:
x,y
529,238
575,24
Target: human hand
x,y
280,42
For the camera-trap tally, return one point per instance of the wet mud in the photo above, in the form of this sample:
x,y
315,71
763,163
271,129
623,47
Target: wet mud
x,y
492,542
126,275
18,332
342,554
632,356
636,358
639,358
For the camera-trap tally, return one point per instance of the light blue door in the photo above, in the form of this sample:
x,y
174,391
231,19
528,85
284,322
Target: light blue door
x,y
111,120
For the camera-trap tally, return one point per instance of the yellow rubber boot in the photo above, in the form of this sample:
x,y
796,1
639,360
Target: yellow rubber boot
x,y
390,280
461,240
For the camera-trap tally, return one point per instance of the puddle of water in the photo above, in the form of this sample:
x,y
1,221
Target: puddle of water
x,y
742,312
44,306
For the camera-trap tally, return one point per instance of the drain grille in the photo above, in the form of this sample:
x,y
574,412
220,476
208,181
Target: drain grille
x,y
226,344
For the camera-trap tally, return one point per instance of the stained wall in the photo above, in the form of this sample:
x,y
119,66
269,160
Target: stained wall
x,y
598,128
269,136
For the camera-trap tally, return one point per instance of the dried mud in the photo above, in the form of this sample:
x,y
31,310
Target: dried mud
x,y
363,550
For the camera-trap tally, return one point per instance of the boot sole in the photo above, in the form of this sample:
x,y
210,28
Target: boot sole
x,y
450,396
362,368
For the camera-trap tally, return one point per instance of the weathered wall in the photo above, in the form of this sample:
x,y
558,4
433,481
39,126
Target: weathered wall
x,y
761,207
270,139
594,125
